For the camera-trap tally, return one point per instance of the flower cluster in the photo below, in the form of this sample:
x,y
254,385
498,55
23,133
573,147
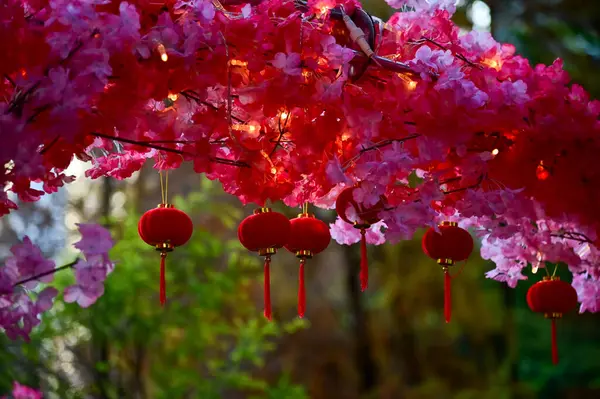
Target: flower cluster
x,y
275,100
21,302
23,392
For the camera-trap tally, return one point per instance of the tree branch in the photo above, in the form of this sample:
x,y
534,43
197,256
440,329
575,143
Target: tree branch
x,y
224,161
46,273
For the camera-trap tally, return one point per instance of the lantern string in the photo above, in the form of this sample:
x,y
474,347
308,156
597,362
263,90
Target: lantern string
x,y
447,296
166,186
305,208
555,268
364,262
267,287
462,268
301,290
554,344
163,284
162,189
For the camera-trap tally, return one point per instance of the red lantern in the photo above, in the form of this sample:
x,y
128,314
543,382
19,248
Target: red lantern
x,y
553,298
165,228
265,232
308,237
363,217
452,244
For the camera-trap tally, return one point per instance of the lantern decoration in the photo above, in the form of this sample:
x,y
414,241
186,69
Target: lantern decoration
x,y
308,237
165,228
452,244
361,217
553,298
265,232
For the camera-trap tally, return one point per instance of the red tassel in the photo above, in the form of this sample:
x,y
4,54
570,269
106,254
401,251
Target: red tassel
x,y
364,262
447,296
554,345
301,291
163,284
267,287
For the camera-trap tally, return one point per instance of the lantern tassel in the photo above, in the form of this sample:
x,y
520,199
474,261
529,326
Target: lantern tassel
x,y
163,284
301,291
447,296
364,262
267,287
554,345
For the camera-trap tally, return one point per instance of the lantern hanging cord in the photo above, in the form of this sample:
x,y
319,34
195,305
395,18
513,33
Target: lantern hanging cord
x,y
305,208
462,268
162,188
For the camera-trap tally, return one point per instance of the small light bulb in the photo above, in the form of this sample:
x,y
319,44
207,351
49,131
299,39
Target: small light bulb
x,y
284,115
163,52
412,85
495,151
253,129
173,97
274,170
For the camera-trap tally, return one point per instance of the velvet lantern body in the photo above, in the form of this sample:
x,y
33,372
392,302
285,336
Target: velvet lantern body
x,y
452,244
265,232
552,297
165,228
308,237
362,218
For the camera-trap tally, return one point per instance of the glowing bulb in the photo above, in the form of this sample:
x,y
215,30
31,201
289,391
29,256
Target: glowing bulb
x,y
412,85
253,129
492,64
274,170
323,9
173,97
163,52
541,172
238,63
495,151
284,115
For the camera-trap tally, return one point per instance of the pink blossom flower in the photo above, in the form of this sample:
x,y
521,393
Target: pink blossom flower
x,y
25,392
95,240
345,233
289,64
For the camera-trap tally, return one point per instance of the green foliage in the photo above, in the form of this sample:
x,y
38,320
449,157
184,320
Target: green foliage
x,y
209,339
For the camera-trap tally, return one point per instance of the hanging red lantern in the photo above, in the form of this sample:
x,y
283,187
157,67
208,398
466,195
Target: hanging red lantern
x,y
362,218
165,228
452,244
308,237
265,232
553,298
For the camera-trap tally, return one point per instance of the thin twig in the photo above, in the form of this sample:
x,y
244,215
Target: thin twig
x,y
456,190
46,273
220,160
190,95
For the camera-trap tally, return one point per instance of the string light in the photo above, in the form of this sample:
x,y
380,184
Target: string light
x,y
495,151
283,115
163,52
492,64
173,96
252,128
239,63
410,84
541,173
